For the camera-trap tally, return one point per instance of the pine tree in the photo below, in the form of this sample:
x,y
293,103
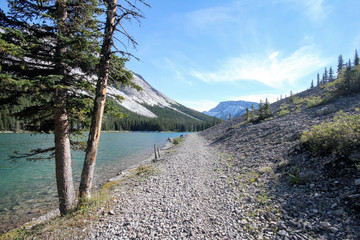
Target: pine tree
x,y
44,42
349,63
247,114
340,64
312,84
356,58
326,76
331,75
317,80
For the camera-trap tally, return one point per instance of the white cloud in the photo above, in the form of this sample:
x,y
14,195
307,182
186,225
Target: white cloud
x,y
270,70
273,55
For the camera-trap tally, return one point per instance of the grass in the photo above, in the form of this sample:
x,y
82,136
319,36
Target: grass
x,y
178,140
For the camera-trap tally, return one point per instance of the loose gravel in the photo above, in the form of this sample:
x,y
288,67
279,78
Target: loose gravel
x,y
188,198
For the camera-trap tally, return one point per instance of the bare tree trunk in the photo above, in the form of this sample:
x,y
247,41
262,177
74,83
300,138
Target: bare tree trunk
x,y
87,175
64,178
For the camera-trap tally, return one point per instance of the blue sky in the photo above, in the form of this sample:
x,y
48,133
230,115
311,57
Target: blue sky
x,y
201,52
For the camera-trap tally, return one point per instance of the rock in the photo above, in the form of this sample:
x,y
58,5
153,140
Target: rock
x,y
111,212
334,229
325,110
283,233
354,196
357,182
325,225
355,157
317,195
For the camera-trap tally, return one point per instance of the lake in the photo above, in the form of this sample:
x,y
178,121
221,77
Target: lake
x,y
28,188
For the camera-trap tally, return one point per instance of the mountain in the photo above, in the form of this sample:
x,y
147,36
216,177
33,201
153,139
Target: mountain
x,y
135,100
151,110
235,108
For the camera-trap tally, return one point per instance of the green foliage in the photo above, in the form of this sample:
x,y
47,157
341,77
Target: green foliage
x,y
178,140
283,112
315,101
340,137
295,177
33,69
167,120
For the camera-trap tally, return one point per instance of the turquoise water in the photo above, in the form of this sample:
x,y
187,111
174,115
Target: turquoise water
x,y
28,189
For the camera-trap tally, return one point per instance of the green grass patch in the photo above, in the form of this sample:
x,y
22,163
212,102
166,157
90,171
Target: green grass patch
x,y
178,140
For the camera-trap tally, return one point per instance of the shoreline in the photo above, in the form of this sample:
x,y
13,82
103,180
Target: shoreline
x,y
122,173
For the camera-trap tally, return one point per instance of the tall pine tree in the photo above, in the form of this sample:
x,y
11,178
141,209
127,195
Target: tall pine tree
x,y
47,50
340,64
356,58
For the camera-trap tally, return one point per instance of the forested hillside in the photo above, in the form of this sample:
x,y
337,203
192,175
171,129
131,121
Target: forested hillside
x,y
167,120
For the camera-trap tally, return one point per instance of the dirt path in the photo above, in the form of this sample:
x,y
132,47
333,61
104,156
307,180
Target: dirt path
x,y
189,198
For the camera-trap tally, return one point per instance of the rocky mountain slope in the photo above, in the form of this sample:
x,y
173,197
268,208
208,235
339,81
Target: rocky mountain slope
x,y
235,108
136,101
303,196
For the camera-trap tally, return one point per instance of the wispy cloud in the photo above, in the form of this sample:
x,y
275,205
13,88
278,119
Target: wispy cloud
x,y
316,10
210,16
271,70
176,70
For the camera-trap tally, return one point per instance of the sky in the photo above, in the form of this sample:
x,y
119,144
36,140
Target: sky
x,y
202,52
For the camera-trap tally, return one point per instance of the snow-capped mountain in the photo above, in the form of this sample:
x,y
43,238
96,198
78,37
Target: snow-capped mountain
x,y
235,108
136,101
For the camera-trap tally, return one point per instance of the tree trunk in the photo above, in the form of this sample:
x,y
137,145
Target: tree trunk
x,y
61,121
64,178
87,175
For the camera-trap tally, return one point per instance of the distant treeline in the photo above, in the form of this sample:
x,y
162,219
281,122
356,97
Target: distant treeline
x,y
167,120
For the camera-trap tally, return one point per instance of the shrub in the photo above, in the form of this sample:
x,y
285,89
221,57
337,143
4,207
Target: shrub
x,y
340,137
283,112
178,140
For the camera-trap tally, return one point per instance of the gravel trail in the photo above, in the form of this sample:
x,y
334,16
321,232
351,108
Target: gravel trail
x,y
188,198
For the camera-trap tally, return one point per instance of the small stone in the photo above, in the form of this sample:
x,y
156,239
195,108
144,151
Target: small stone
x,y
357,182
334,229
111,212
325,225
312,185
317,195
354,196
334,205
315,211
355,157
283,233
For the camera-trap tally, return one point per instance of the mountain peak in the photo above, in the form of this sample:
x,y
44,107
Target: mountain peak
x,y
235,108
